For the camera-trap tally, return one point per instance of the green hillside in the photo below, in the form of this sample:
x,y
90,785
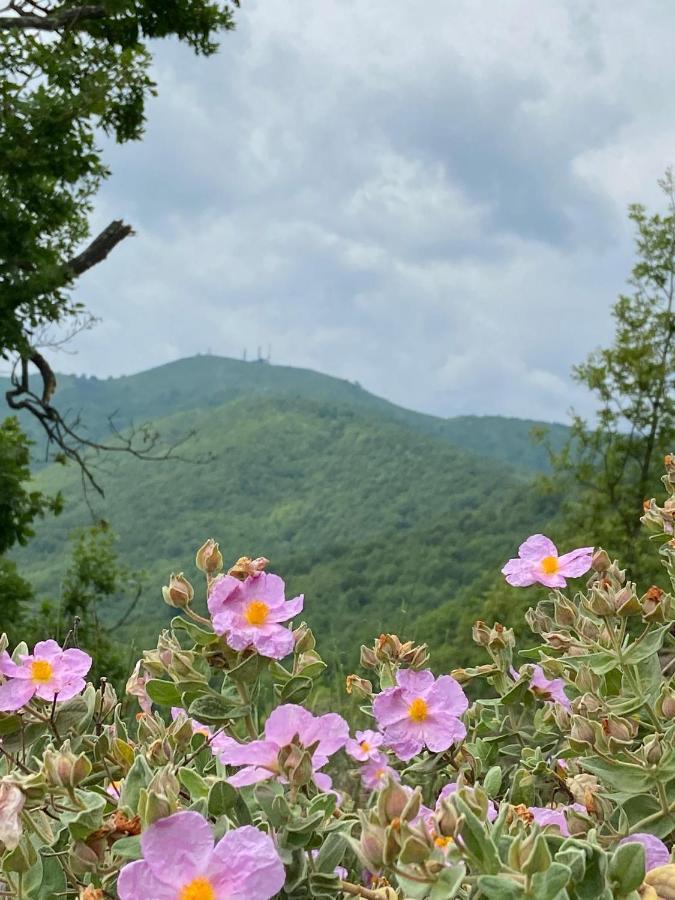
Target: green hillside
x,y
379,514
207,382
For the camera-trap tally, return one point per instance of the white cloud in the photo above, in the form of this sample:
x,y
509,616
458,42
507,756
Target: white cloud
x,y
431,202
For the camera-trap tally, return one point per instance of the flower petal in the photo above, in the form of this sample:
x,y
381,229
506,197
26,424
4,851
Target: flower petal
x,y
415,682
177,848
576,562
448,693
245,865
137,880
15,693
536,547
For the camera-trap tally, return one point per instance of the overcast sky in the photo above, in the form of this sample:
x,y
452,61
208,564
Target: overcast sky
x,y
427,198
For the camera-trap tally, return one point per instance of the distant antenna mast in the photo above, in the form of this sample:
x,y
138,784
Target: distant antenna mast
x,y
269,352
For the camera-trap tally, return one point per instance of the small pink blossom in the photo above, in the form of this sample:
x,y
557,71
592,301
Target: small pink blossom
x,y
451,788
285,725
656,852
376,771
546,815
365,745
180,861
538,561
249,613
49,673
552,690
419,712
135,687
114,790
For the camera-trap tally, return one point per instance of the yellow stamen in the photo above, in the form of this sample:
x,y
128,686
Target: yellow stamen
x,y
418,710
365,746
41,671
256,613
550,565
198,889
442,841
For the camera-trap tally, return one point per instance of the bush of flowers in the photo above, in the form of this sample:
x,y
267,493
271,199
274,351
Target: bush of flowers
x,y
229,783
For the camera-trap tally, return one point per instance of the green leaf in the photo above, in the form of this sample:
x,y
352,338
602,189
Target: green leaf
x,y
214,709
499,887
449,883
194,784
128,848
163,693
221,798
476,840
627,867
331,853
87,819
200,636
648,646
137,778
547,885
296,690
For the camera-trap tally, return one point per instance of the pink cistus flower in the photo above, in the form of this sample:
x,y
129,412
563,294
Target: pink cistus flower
x,y
552,690
135,687
451,788
546,815
49,673
249,613
364,745
376,771
419,712
285,725
656,852
538,561
180,862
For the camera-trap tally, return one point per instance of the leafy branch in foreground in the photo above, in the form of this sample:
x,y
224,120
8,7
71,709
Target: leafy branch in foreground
x,y
70,72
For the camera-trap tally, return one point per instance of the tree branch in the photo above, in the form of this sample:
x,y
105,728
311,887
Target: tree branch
x,y
100,247
66,18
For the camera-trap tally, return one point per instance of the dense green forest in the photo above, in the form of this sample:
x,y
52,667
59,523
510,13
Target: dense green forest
x,y
382,516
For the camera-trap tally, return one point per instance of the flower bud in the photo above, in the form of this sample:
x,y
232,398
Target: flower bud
x,y
619,728
656,606
12,800
105,700
371,845
558,640
600,561
565,612
245,567
667,703
391,802
209,558
303,638
62,769
582,731
653,750
179,592
83,859
361,688
368,659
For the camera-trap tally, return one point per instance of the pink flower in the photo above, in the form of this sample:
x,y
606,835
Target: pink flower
x,y
114,790
539,562
656,852
421,712
451,788
546,815
376,771
49,673
552,690
249,613
365,745
286,725
180,862
136,688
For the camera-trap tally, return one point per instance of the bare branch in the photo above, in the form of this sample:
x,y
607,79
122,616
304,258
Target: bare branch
x,y
77,17
100,247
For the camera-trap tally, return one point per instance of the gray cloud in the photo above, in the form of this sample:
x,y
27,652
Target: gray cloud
x,y
431,203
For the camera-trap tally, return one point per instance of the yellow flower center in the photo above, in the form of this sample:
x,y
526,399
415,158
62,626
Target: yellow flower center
x,y
256,613
418,710
198,889
550,565
41,671
365,746
442,841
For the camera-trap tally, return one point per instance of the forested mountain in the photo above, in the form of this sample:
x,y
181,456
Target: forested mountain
x,y
379,514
